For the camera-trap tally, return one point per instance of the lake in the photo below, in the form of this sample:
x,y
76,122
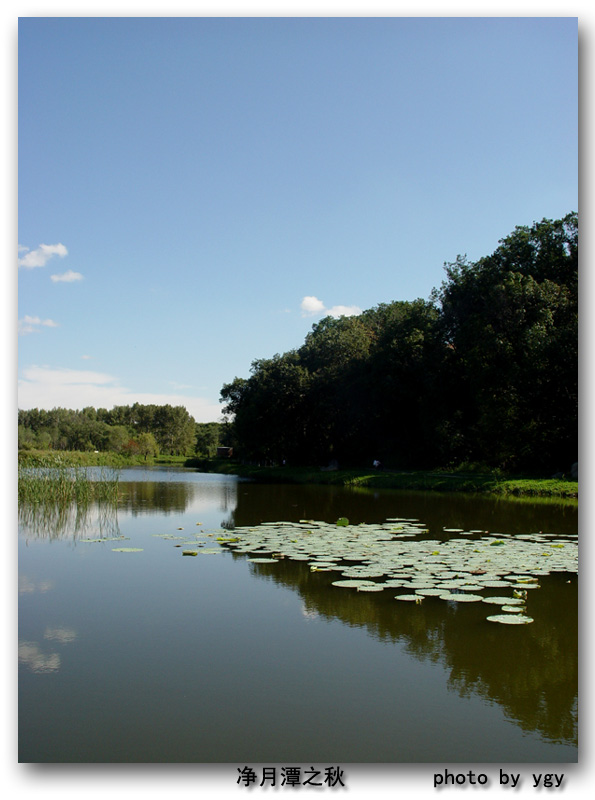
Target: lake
x,y
130,651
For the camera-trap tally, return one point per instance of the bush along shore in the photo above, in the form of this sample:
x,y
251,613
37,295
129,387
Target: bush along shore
x,y
442,481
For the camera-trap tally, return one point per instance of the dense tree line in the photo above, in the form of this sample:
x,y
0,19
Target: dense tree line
x,y
485,371
138,429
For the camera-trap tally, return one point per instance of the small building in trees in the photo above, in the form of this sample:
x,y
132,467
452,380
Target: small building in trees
x,y
224,452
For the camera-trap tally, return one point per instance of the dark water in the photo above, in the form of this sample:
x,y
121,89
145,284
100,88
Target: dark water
x,y
155,657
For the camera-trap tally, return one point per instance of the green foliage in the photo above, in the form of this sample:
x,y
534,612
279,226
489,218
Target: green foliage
x,y
144,430
208,437
484,372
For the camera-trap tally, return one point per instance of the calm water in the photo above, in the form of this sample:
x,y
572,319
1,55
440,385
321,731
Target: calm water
x,y
155,657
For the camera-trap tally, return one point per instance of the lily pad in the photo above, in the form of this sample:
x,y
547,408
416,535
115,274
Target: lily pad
x,y
127,549
353,584
510,619
461,598
503,601
264,560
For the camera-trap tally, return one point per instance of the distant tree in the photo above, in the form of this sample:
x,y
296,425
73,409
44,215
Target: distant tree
x,y
147,445
208,437
173,429
26,438
119,436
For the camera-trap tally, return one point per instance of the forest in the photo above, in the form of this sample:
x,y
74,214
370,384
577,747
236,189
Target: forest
x,y
484,372
145,430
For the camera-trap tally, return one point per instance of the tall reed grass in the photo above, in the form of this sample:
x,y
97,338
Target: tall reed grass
x,y
50,482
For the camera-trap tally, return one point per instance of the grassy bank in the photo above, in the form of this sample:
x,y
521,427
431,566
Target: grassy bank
x,y
442,481
91,459
512,486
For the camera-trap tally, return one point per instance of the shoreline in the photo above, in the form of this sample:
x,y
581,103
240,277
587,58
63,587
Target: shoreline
x,y
431,480
509,486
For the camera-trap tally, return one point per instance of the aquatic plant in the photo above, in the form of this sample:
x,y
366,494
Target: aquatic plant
x,y
51,482
375,557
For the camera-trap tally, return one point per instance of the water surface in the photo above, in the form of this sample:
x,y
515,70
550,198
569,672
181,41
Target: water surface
x,y
153,656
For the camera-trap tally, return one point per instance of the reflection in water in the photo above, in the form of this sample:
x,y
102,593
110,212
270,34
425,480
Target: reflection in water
x,y
96,520
175,497
29,586
31,655
258,503
62,635
531,671
138,498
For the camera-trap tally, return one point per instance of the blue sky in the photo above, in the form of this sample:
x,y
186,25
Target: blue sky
x,y
195,194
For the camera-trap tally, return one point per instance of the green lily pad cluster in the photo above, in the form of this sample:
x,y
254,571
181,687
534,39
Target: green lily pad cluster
x,y
397,555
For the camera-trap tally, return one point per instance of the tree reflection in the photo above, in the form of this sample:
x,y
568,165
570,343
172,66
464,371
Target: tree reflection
x,y
529,670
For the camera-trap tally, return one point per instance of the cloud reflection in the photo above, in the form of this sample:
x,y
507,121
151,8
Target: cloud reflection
x,y
31,655
62,635
28,586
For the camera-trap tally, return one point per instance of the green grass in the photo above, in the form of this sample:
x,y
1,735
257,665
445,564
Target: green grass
x,y
92,459
505,486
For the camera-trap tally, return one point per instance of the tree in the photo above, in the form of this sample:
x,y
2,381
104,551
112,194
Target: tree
x,y
208,436
147,445
119,436
511,321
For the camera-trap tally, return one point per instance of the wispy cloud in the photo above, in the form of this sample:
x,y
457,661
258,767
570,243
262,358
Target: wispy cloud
x,y
47,387
33,324
67,277
40,256
313,307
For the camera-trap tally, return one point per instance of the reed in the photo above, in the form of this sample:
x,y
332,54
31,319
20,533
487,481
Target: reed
x,y
52,483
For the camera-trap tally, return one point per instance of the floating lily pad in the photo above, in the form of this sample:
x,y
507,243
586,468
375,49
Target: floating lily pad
x,y
264,560
503,601
366,551
189,552
510,619
353,584
461,598
410,597
127,549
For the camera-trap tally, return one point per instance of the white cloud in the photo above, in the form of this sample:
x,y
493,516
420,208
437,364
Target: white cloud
x,y
32,324
67,277
46,387
312,306
344,311
40,257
